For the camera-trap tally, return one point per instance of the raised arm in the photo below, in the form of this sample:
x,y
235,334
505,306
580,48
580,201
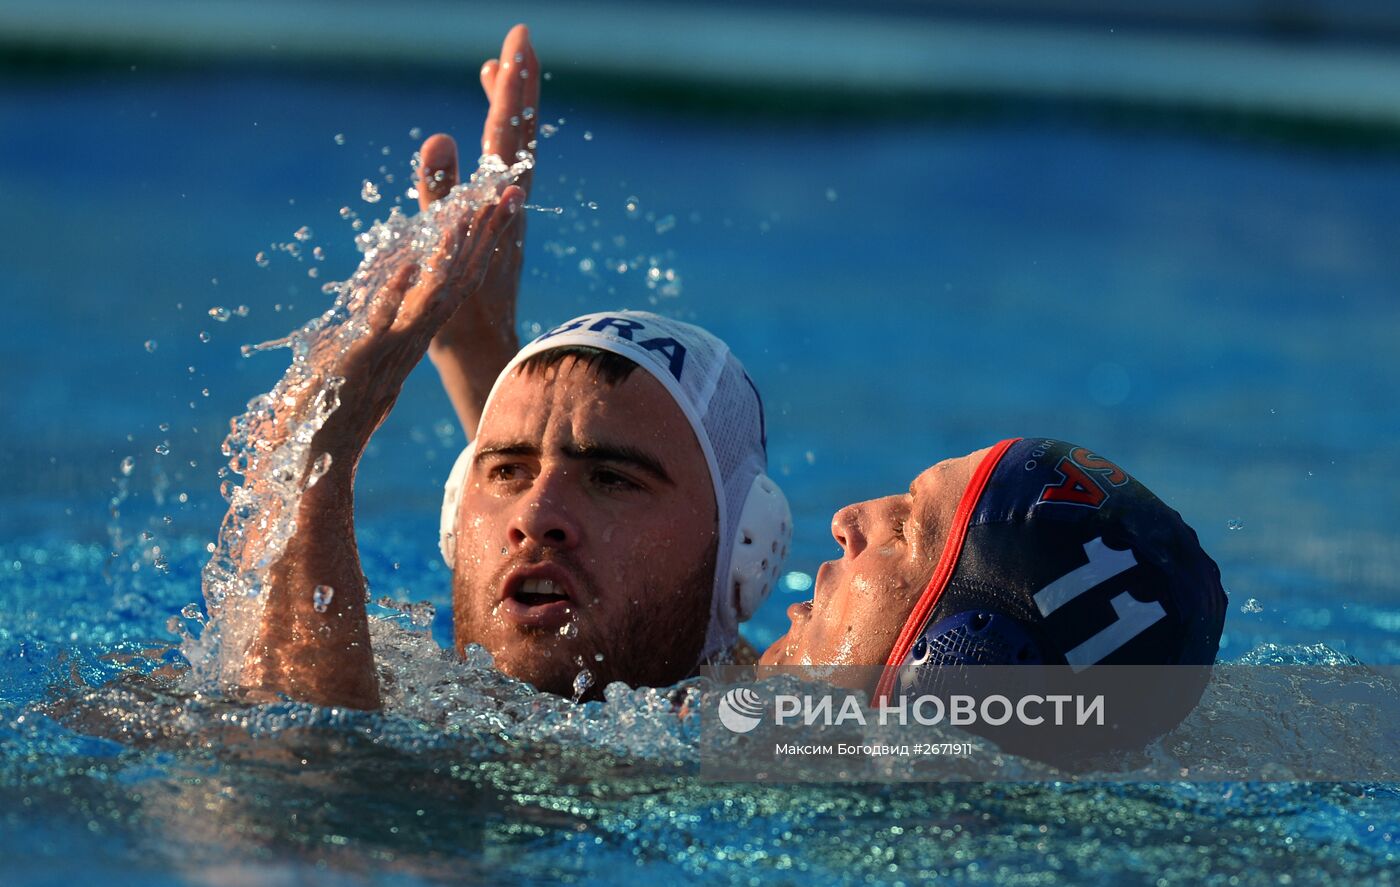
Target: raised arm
x,y
476,343
310,645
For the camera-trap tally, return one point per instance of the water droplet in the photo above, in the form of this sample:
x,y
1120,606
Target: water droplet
x,y
318,254
192,611
524,73
204,336
587,136
319,467
183,498
633,207
313,272
592,204
527,113
568,630
665,223
321,597
303,233
597,657
369,193
164,426
548,130
262,259
128,464
585,265
340,138
582,681
347,213
796,582
831,194
384,150
514,120
548,76
220,314
415,133
1251,606
1235,524
163,449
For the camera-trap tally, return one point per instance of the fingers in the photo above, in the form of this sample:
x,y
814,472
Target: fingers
x,y
460,262
384,305
437,168
509,95
488,76
502,219
463,260
512,87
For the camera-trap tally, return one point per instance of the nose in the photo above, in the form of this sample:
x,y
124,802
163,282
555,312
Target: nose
x,y
543,517
845,527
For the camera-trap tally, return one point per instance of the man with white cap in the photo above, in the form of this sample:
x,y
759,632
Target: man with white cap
x,y
611,512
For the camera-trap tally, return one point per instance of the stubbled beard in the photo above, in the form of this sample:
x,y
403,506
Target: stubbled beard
x,y
656,643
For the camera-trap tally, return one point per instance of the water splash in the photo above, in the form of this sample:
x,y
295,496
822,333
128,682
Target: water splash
x,y
270,443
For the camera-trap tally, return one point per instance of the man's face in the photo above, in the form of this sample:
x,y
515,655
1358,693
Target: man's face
x,y
586,533
889,548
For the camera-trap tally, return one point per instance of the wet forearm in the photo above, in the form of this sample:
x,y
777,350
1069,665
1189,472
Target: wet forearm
x,y
313,641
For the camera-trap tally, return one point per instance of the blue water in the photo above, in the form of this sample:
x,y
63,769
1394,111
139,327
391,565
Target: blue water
x,y
1216,313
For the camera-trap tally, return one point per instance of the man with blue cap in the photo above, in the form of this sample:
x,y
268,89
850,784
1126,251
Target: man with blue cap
x,y
1034,551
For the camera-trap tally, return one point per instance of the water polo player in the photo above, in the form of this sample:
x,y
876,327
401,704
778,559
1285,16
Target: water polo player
x,y
1030,552
611,517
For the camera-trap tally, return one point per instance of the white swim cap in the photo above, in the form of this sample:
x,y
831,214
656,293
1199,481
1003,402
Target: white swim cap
x,y
725,410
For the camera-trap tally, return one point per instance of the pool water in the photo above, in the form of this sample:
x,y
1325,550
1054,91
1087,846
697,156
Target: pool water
x,y
1216,312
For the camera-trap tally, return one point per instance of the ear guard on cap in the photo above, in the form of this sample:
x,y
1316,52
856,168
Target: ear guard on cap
x,y
761,542
451,498
761,538
972,637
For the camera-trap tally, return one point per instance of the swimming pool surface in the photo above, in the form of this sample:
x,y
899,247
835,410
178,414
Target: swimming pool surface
x,y
1218,313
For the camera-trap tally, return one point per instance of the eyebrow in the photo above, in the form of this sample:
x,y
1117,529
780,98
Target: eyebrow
x,y
587,451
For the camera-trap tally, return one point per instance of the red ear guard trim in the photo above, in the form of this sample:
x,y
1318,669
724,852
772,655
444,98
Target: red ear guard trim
x,y
947,562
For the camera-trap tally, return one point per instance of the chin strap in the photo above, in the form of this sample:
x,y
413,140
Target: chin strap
x,y
947,562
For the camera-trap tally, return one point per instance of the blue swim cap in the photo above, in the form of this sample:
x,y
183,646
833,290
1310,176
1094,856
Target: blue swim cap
x,y
1057,556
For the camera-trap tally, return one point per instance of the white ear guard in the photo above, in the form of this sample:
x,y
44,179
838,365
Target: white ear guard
x,y
761,542
761,538
451,498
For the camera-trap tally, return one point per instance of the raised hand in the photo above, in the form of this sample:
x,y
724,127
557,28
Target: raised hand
x,y
405,313
476,343
312,640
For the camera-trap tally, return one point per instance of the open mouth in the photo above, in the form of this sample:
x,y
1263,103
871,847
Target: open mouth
x,y
538,598
538,592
